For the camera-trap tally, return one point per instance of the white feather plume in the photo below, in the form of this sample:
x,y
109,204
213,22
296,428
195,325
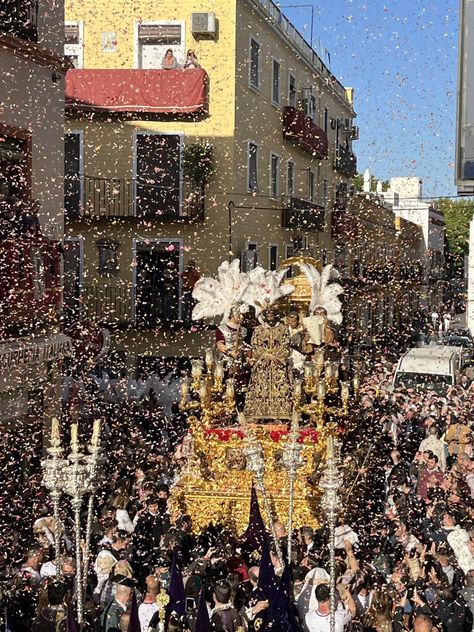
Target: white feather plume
x,y
216,297
324,291
265,287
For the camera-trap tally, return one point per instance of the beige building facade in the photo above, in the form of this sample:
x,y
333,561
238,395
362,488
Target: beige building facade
x,y
32,72
279,126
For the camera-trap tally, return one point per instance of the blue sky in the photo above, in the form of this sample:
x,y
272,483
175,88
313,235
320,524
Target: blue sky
x,y
401,58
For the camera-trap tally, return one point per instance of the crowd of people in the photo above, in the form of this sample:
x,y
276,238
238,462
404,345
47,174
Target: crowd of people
x,y
405,542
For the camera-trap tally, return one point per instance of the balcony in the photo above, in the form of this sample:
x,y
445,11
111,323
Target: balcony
x,y
169,92
87,196
345,162
30,281
344,226
303,215
303,132
119,306
20,18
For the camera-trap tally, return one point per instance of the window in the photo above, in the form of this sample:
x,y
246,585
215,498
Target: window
x,y
324,201
274,175
108,265
291,91
249,257
73,43
158,175
290,169
73,182
252,167
276,82
153,40
326,120
311,186
20,18
273,256
254,70
15,164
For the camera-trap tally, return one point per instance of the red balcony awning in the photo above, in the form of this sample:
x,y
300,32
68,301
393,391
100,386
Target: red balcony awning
x,y
302,131
160,91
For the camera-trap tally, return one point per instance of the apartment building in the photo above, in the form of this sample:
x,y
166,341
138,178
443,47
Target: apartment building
x,y
379,256
406,196
263,110
32,74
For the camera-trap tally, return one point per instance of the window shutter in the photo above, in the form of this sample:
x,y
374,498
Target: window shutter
x,y
71,33
170,33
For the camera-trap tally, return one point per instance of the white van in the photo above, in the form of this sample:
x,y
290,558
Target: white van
x,y
428,368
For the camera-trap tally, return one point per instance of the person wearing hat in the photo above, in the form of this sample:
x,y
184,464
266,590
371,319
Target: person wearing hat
x,y
110,619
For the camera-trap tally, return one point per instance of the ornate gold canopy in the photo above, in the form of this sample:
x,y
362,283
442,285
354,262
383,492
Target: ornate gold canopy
x,y
301,296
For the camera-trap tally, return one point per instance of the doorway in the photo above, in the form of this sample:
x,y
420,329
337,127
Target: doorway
x,y
158,283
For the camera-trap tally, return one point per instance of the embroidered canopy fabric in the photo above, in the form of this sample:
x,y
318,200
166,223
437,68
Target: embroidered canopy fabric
x,y
159,91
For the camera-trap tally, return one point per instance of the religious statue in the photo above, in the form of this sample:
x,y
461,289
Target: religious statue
x,y
301,347
269,390
230,336
325,306
318,328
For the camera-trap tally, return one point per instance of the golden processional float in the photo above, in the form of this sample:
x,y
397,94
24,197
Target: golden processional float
x,y
266,403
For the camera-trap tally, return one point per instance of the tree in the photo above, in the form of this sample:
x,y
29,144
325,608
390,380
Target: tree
x,y
457,214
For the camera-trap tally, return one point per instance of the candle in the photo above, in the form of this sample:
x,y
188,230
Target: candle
x,y
295,420
335,369
320,357
209,358
344,391
308,369
203,392
74,441
184,389
330,448
196,369
328,372
54,429
95,433
229,389
297,388
356,383
219,370
321,390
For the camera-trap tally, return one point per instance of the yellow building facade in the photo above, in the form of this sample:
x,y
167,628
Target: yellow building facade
x,y
280,126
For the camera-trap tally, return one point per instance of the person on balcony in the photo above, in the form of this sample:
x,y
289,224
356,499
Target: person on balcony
x,y
191,60
169,61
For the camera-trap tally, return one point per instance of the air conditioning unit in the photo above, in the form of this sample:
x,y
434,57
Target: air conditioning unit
x,y
354,132
248,260
203,24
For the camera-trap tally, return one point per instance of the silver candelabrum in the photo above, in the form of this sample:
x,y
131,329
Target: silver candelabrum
x,y
76,476
256,465
330,483
292,461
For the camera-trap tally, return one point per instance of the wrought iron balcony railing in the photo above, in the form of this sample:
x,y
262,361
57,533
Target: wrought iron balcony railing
x,y
303,215
20,18
124,306
345,162
88,196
